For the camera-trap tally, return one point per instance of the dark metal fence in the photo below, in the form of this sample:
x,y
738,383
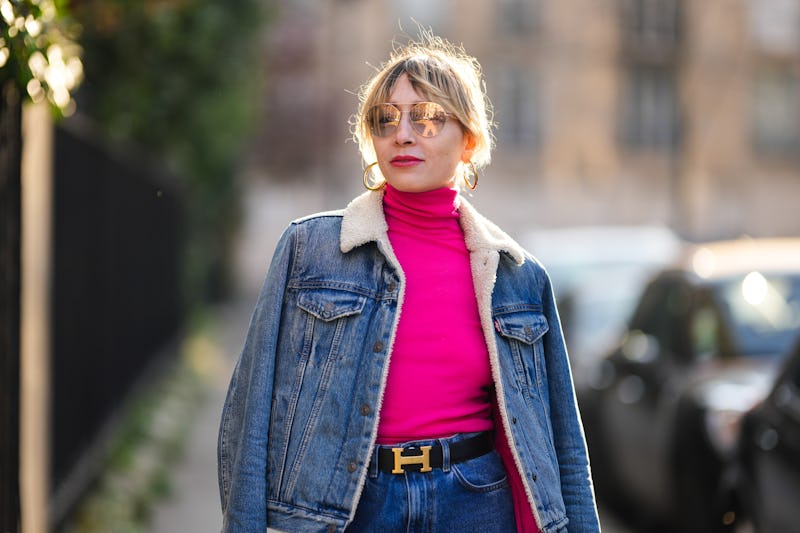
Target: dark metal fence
x,y
10,206
117,298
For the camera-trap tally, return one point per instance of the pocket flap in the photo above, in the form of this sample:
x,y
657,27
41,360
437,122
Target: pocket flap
x,y
524,326
329,304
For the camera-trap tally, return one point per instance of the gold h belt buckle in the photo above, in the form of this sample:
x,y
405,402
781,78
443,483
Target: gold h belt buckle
x,y
423,459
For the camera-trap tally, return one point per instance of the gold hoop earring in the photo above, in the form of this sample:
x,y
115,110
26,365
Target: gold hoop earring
x,y
367,178
471,184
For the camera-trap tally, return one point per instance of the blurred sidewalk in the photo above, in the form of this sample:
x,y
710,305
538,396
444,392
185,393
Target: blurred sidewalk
x,y
193,501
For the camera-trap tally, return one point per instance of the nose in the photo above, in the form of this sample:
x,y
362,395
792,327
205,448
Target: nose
x,y
404,134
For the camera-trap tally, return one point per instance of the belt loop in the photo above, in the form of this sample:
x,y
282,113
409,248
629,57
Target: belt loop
x,y
445,454
373,463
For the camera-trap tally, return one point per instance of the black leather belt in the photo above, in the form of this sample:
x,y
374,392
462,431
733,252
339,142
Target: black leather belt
x,y
397,460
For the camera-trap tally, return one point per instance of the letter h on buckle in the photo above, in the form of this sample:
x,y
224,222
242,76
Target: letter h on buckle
x,y
423,459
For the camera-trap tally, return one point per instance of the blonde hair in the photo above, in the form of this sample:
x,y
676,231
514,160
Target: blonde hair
x,y
438,71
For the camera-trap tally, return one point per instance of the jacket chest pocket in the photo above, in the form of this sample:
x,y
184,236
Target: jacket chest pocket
x,y
327,311
520,332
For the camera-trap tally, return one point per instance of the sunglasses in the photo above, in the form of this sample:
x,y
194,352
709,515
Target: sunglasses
x,y
427,118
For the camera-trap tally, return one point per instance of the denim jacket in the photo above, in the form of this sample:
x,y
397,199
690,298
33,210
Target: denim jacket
x,y
301,415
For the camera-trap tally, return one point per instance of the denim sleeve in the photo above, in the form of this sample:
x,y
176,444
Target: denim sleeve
x,y
242,440
570,444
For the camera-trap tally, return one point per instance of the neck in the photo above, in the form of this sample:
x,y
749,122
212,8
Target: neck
x,y
434,204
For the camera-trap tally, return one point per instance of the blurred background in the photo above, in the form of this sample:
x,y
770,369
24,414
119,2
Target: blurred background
x,y
152,152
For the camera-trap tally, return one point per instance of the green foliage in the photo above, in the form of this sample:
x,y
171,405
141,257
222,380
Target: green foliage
x,y
38,51
181,77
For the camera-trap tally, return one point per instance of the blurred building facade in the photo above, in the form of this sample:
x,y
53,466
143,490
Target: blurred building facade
x,y
682,112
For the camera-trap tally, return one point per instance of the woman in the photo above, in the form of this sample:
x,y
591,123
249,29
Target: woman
x,y
404,369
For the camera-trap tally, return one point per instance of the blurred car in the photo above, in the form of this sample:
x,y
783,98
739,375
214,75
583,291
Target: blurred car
x,y
702,348
598,273
769,456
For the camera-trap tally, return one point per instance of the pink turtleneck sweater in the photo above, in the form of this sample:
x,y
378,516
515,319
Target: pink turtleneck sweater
x,y
439,380
439,377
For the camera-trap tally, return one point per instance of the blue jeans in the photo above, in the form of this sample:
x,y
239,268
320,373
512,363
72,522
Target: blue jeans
x,y
472,496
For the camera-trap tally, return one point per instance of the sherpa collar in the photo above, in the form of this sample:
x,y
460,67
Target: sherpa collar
x,y
363,221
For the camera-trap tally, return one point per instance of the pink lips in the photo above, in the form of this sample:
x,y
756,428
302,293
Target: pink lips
x,y
405,161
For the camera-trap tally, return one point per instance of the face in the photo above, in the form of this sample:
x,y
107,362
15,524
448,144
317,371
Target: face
x,y
413,163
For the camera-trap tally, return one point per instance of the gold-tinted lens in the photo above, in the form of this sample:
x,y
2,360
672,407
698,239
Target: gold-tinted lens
x,y
427,119
383,119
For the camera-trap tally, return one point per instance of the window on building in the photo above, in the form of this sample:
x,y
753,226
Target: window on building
x,y
649,109
651,26
516,107
518,17
776,111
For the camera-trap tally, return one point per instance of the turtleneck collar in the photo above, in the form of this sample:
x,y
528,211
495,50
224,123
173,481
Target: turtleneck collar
x,y
421,208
